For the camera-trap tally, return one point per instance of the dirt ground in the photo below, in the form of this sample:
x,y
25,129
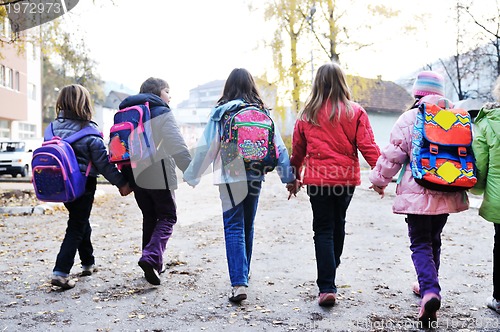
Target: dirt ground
x,y
374,279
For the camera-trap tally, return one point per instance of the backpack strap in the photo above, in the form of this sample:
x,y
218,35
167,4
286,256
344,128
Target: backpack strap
x,y
402,172
82,133
49,134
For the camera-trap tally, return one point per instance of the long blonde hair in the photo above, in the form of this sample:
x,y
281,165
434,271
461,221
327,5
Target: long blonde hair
x,y
329,85
75,102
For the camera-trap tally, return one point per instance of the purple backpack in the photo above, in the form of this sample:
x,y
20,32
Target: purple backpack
x,y
56,175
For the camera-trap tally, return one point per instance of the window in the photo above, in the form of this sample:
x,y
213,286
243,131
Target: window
x,y
17,84
2,75
31,91
4,129
9,77
26,130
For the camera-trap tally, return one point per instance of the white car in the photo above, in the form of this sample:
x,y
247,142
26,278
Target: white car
x,y
15,156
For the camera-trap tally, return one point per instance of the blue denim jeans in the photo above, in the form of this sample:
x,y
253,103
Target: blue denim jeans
x,y
239,229
329,206
425,244
78,232
159,215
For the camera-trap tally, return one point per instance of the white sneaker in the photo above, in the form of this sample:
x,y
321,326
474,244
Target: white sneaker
x,y
64,283
493,304
238,294
87,270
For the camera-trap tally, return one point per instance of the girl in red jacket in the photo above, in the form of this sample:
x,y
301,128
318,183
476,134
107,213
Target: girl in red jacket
x,y
327,136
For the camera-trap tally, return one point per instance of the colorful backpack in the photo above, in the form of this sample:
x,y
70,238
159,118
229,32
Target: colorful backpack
x,y
56,175
130,137
248,133
441,157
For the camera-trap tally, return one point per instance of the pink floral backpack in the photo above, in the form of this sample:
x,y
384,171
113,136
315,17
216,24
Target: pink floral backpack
x,y
248,133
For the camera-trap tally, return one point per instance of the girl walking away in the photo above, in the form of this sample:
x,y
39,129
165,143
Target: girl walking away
x,y
74,112
154,186
239,187
426,210
486,146
327,136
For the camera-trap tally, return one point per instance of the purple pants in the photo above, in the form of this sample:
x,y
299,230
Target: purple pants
x,y
425,244
158,219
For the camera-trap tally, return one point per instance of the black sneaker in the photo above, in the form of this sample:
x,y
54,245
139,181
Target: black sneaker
x,y
152,276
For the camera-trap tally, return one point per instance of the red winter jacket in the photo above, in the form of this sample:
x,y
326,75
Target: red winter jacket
x,y
327,153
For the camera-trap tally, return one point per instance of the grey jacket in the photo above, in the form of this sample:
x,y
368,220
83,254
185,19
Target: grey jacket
x,y
89,148
171,149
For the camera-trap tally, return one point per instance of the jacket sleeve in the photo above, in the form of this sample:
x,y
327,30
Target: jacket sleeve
x,y
172,143
299,148
99,158
392,156
482,155
365,140
205,153
284,169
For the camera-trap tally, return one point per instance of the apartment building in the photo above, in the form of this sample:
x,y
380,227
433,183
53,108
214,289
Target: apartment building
x,y
20,88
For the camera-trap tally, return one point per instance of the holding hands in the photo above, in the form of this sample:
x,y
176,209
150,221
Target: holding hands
x,y
293,188
125,190
379,190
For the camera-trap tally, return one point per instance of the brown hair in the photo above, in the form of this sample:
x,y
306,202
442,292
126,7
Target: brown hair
x,y
241,85
153,85
75,102
329,85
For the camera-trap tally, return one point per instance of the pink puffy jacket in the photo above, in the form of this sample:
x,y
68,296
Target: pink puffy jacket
x,y
411,198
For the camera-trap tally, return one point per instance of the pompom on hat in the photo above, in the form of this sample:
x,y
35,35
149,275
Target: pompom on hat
x,y
428,83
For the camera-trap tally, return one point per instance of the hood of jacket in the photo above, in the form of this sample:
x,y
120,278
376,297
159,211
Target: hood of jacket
x,y
141,98
219,111
491,113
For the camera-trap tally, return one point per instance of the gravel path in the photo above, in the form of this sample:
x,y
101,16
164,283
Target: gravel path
x,y
374,279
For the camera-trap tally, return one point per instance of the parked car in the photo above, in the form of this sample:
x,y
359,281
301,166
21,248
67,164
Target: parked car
x,y
15,156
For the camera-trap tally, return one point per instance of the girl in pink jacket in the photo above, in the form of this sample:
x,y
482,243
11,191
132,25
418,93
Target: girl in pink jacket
x,y
327,136
427,210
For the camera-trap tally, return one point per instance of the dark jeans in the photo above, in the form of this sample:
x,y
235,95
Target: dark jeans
x,y
425,244
496,263
239,229
78,232
329,207
159,216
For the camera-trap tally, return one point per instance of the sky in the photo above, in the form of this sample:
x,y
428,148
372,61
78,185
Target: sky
x,y
192,42
187,43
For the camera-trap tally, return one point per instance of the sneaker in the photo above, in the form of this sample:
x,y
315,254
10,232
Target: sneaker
x,y
238,294
416,288
87,270
63,282
163,269
327,299
493,304
429,306
152,276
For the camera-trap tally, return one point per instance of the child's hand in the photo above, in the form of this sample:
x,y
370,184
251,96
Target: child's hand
x,y
293,188
379,190
125,190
